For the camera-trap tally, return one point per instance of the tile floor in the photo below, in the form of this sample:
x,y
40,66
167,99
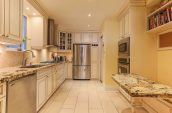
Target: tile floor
x,y
86,97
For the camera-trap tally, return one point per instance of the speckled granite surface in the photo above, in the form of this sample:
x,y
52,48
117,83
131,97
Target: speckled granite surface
x,y
14,73
137,86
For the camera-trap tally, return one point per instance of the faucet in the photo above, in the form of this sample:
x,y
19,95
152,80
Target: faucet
x,y
24,61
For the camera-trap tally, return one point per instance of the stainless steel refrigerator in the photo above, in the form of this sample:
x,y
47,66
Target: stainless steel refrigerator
x,y
81,61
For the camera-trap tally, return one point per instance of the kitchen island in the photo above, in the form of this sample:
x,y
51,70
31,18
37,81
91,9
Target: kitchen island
x,y
137,89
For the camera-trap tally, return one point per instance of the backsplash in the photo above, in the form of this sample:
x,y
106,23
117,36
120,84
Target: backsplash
x,y
14,58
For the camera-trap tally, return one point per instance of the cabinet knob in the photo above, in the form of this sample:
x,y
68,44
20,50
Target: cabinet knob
x,y
7,35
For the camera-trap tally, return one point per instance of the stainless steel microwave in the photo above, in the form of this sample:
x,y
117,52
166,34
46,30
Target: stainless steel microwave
x,y
124,46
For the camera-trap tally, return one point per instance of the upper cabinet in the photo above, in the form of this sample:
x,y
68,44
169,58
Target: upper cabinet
x,y
37,26
38,38
11,20
2,21
124,25
77,37
65,41
95,37
86,37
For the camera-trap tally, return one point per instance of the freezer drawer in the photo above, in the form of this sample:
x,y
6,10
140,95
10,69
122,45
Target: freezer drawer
x,y
81,72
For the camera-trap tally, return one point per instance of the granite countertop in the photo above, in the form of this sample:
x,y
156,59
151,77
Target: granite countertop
x,y
138,86
14,73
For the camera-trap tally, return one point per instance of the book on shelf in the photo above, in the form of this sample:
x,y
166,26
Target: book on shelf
x,y
160,18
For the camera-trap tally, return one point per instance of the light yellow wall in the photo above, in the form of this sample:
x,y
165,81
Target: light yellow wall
x,y
110,36
165,67
143,45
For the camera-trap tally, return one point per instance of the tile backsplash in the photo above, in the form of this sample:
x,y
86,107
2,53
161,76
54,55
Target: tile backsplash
x,y
14,58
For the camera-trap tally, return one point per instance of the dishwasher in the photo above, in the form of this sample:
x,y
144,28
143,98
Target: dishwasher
x,y
21,95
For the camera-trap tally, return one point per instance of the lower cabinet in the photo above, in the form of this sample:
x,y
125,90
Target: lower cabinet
x,y
48,80
3,105
41,92
3,98
69,71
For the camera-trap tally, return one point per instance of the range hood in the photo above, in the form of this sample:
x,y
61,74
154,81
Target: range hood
x,y
52,38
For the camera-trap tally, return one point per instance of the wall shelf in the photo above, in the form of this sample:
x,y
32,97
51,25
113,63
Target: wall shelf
x,y
160,20
161,28
160,9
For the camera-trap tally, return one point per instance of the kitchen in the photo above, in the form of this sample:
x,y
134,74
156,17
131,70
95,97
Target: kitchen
x,y
85,56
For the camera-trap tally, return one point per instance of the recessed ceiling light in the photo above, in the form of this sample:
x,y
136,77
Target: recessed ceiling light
x,y
89,15
28,8
88,25
34,14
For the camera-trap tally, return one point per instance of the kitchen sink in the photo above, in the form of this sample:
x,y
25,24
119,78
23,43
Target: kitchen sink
x,y
33,66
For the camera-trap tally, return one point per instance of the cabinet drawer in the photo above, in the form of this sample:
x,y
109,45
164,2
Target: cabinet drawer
x,y
2,90
148,108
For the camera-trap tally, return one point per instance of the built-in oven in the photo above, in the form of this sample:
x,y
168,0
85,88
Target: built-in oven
x,y
124,65
124,46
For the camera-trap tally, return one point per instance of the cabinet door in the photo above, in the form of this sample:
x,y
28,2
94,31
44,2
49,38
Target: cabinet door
x,y
49,84
95,37
78,38
13,17
41,91
2,16
86,38
95,62
69,70
3,105
121,27
127,25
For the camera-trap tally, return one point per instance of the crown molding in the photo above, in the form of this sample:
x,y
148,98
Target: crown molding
x,y
37,6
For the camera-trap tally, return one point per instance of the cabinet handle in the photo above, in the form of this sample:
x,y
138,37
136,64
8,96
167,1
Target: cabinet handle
x,y
2,35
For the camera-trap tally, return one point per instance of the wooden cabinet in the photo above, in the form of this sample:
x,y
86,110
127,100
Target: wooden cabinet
x,y
2,20
3,98
69,70
41,91
49,85
3,105
78,38
65,41
86,37
95,61
95,37
38,32
121,29
11,20
124,26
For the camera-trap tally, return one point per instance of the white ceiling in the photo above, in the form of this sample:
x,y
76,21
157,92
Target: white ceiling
x,y
73,14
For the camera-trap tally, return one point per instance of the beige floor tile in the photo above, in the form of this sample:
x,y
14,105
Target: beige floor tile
x,y
95,110
87,97
67,111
